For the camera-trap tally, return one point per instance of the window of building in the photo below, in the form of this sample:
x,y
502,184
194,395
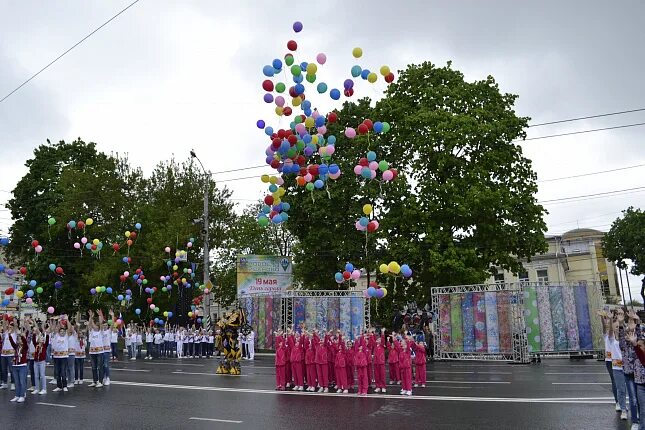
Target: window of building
x,y
523,277
543,276
499,278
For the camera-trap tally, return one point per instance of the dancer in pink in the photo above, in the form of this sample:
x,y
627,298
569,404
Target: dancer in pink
x,y
405,365
419,364
322,369
393,362
360,359
349,364
340,364
280,363
310,364
296,358
379,363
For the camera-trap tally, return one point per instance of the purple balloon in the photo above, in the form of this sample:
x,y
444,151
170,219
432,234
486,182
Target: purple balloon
x,y
260,124
93,291
308,151
297,26
268,98
348,84
379,293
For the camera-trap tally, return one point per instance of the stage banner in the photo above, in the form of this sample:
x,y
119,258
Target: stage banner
x,y
263,274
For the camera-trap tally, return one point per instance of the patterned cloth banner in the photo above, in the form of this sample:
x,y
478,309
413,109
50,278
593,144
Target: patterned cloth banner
x,y
457,334
546,323
298,312
570,318
468,318
532,319
345,317
504,321
479,311
321,313
557,318
358,315
492,328
582,313
333,314
444,322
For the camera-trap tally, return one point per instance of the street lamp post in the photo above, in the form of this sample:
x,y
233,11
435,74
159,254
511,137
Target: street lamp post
x,y
205,225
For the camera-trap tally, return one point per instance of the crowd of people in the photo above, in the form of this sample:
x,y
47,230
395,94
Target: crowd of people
x,y
321,361
625,361
28,346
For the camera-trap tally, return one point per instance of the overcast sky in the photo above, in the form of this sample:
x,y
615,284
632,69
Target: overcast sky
x,y
168,76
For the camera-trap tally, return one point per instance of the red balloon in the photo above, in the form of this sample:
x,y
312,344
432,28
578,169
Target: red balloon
x,y
275,164
149,300
362,129
275,143
300,159
59,270
138,271
371,226
80,225
129,242
23,270
395,173
349,92
268,200
116,247
346,275
287,111
94,247
133,235
332,117
292,139
8,291
282,133
389,78
313,169
267,85
368,123
122,278
129,260
155,289
292,92
34,243
363,162
272,214
292,45
142,276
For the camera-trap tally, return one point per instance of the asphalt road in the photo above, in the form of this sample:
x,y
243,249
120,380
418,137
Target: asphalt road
x,y
186,394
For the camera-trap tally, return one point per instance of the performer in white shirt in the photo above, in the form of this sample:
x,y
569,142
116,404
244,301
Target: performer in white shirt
x,y
96,352
250,344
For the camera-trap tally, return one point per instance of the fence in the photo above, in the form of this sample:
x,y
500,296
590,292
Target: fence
x,y
511,321
347,311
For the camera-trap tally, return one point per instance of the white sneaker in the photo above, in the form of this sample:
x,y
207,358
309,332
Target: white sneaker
x,y
13,386
93,384
99,385
340,390
20,400
56,390
423,385
345,391
42,392
391,382
326,390
623,415
378,390
53,382
415,385
70,386
107,381
3,386
65,389
409,393
31,389
383,390
634,426
15,399
618,407
133,358
320,390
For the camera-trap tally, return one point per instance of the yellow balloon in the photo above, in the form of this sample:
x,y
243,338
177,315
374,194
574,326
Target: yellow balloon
x,y
264,178
278,110
183,280
394,267
383,268
371,78
385,70
19,294
281,191
314,139
277,201
190,314
310,122
89,221
273,179
384,291
175,267
127,234
95,241
367,209
165,313
312,68
296,101
357,52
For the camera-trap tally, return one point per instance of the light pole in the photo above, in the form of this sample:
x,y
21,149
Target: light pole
x,y
205,224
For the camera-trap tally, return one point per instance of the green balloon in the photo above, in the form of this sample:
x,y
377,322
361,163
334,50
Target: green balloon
x,y
296,70
297,119
145,282
185,270
386,127
164,289
291,152
156,310
109,322
39,290
309,186
300,145
263,221
310,78
383,165
51,221
280,87
288,59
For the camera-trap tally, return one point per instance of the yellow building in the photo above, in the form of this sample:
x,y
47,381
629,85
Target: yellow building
x,y
572,257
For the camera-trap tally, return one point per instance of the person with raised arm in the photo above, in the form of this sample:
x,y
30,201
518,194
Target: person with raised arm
x,y
605,319
6,354
19,368
379,363
96,351
60,351
106,336
40,341
617,361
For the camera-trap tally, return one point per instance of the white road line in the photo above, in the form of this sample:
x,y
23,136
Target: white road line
x,y
573,400
55,404
216,420
580,383
468,382
575,373
129,370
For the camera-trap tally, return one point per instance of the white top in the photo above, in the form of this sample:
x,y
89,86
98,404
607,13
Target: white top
x,y
139,338
607,348
171,337
96,342
114,337
616,355
149,337
31,349
105,336
250,337
72,344
211,339
7,349
158,338
128,341
60,346
166,337
80,350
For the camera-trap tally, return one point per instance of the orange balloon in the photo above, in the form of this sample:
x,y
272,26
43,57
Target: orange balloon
x,y
129,242
300,181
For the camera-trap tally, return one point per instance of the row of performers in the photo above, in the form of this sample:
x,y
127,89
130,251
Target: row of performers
x,y
322,361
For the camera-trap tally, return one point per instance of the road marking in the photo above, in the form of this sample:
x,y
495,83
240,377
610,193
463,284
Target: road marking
x,y
580,383
129,370
55,404
572,400
207,374
216,420
468,382
575,373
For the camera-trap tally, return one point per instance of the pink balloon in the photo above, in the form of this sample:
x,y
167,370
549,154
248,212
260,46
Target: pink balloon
x,y
322,129
162,278
373,165
279,181
206,291
189,245
308,177
388,175
376,224
356,274
373,174
77,245
321,58
167,249
50,310
301,129
126,273
39,249
350,132
359,227
83,240
335,175
315,114
152,306
331,149
279,101
29,300
358,169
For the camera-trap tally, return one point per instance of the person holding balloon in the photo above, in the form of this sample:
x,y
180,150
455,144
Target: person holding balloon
x,y
96,352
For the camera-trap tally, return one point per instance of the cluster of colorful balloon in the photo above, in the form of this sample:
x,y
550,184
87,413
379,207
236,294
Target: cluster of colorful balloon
x,y
395,269
375,290
38,248
364,223
350,273
368,167
274,210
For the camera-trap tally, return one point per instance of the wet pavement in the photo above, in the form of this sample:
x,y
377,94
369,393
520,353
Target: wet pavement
x,y
186,394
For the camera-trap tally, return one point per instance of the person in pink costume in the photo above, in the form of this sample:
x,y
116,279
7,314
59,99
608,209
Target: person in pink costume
x,y
419,349
405,365
322,369
379,363
331,354
349,364
287,368
296,358
360,359
280,363
393,362
310,364
340,364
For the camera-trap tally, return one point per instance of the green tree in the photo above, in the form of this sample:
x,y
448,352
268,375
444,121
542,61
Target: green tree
x,y
626,241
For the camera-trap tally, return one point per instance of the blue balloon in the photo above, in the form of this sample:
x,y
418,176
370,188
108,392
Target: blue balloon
x,y
277,64
52,267
58,285
349,267
88,245
108,290
303,66
137,226
137,311
260,124
187,285
298,79
161,322
119,297
333,169
169,314
378,126
268,71
323,169
30,293
320,121
331,140
297,26
334,94
356,71
277,219
338,277
306,104
371,291
4,241
299,89
348,84
319,184
135,277
365,73
307,138
33,283
268,131
307,112
321,87
363,222
124,259
266,209
371,156
168,263
5,302
72,224
366,173
128,298
285,206
156,320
